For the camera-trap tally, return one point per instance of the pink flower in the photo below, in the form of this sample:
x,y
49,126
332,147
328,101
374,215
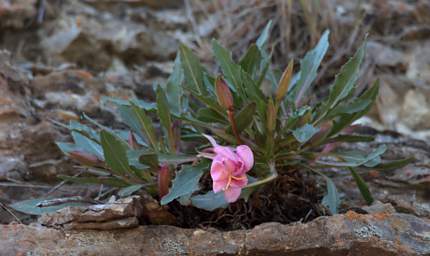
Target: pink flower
x,y
229,168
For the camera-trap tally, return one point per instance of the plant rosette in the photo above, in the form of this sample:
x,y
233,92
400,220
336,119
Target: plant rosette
x,y
259,123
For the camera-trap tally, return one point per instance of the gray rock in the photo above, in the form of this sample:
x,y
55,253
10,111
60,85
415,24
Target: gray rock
x,y
349,234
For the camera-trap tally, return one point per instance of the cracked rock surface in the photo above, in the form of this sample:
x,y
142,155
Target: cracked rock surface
x,y
379,233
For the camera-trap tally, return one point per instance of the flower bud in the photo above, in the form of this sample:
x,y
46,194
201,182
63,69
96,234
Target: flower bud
x,y
284,83
223,93
163,180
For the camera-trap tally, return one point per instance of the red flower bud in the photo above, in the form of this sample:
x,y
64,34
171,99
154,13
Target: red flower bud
x,y
163,181
223,93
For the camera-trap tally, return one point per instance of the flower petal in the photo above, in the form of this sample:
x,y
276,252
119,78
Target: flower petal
x,y
218,171
226,152
218,186
211,140
245,153
239,182
232,194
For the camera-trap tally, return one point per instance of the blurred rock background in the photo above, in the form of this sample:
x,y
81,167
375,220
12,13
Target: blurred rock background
x,y
59,57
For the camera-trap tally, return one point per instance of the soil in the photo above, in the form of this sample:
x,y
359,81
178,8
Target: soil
x,y
292,197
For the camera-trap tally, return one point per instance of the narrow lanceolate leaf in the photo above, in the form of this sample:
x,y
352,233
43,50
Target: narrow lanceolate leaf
x,y
88,145
331,199
284,82
115,153
128,191
165,118
84,129
251,60
356,158
305,133
309,67
185,182
67,147
193,70
362,186
264,36
110,181
346,79
146,123
396,164
31,206
271,116
231,70
209,201
174,90
345,120
245,116
129,117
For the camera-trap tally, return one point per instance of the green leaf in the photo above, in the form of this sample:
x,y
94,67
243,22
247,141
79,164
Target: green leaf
x,y
396,164
128,191
264,36
120,102
351,138
88,145
129,117
209,201
165,118
134,159
146,123
68,147
193,70
147,158
31,206
351,108
84,129
346,79
174,90
355,158
210,102
251,60
176,159
211,116
309,67
185,182
346,120
331,199
305,133
245,116
115,153
110,181
231,70
362,186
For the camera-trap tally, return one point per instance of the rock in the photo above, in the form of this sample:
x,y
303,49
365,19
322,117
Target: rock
x,y
384,55
122,213
378,207
349,234
16,14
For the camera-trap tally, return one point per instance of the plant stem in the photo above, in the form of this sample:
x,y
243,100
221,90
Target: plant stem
x,y
274,175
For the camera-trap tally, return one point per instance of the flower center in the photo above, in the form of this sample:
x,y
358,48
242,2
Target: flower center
x,y
230,178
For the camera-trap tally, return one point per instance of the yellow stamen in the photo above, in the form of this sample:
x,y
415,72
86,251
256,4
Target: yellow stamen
x,y
238,178
230,178
228,183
